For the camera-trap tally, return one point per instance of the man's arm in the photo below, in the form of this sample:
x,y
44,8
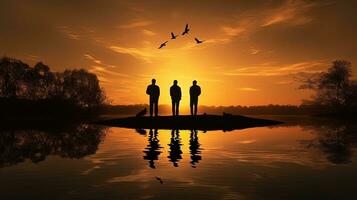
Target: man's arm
x,y
148,90
199,91
180,94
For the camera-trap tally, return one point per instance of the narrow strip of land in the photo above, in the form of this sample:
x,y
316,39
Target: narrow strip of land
x,y
186,122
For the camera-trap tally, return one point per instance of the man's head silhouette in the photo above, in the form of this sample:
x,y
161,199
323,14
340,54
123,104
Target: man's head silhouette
x,y
175,82
153,81
194,82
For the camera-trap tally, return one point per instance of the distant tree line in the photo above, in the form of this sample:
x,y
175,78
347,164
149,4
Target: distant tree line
x,y
238,110
20,81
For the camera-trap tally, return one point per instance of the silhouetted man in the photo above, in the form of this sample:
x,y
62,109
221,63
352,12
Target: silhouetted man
x,y
195,91
154,92
175,93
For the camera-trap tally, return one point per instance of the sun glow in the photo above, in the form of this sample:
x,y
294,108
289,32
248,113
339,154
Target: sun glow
x,y
180,68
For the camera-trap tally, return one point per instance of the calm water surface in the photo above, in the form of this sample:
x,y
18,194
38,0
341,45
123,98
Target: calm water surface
x,y
303,159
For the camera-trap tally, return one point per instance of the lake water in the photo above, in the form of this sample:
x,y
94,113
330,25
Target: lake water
x,y
302,159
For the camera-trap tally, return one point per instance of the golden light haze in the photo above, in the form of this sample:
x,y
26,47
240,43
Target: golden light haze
x,y
252,53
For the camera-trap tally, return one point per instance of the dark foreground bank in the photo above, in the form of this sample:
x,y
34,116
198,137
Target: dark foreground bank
x,y
200,122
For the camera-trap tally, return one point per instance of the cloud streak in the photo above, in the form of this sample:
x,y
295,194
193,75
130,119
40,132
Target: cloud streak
x,y
273,70
233,31
137,24
292,12
69,33
148,32
248,89
93,59
105,73
145,54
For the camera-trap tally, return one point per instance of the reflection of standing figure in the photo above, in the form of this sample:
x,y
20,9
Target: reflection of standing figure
x,y
194,148
175,148
152,151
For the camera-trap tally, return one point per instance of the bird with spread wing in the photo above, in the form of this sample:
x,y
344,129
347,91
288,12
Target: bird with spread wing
x,y
198,41
186,30
163,45
173,36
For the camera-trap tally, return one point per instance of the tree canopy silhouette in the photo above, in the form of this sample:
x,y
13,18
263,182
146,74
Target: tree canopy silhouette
x,y
19,80
334,88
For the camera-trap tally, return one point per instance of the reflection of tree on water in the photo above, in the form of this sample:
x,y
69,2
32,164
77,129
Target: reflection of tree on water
x,y
195,150
18,145
175,148
152,151
336,142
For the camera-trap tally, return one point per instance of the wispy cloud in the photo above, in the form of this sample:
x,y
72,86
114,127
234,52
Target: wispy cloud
x,y
273,70
248,89
228,32
145,54
254,51
233,31
292,12
69,33
148,52
246,141
77,33
92,59
136,24
284,82
103,71
98,61
148,32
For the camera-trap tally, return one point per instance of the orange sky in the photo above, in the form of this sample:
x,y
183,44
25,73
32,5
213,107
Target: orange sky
x,y
252,53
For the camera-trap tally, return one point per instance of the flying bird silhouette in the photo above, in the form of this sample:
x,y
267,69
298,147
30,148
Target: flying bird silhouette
x,y
159,179
173,36
186,30
163,45
198,41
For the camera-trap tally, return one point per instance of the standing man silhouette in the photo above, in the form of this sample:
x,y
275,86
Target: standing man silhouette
x,y
195,91
154,92
175,93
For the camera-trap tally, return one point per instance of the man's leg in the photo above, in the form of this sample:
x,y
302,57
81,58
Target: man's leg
x,y
177,108
191,106
156,108
173,107
151,107
196,102
195,109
